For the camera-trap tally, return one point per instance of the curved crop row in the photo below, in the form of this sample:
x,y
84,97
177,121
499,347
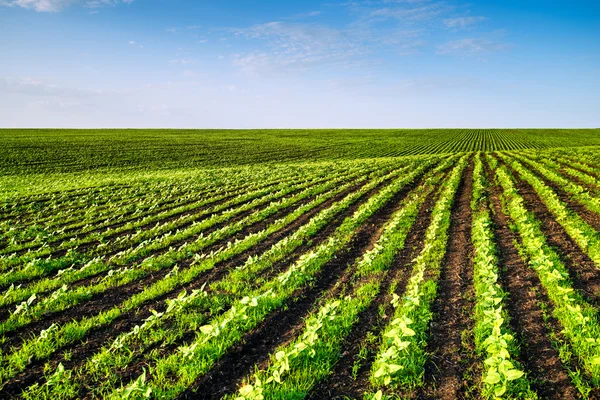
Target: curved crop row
x,y
401,358
296,367
176,372
581,232
578,318
112,357
495,342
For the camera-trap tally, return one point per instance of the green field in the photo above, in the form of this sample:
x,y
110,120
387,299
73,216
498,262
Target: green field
x,y
292,264
40,151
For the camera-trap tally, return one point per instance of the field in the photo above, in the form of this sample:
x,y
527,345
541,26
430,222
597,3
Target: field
x,y
363,264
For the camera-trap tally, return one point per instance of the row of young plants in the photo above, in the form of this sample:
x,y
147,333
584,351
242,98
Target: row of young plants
x,y
171,375
134,253
401,358
51,340
171,184
502,376
548,170
68,273
238,280
175,218
580,160
586,237
32,202
64,297
578,318
92,268
70,242
268,177
142,200
165,222
296,367
47,343
574,165
25,210
73,223
169,327
137,245
582,172
93,210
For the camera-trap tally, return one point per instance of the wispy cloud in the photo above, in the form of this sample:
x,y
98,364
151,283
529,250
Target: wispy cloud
x,y
58,5
471,46
393,25
182,61
104,3
462,22
136,44
411,13
297,46
38,5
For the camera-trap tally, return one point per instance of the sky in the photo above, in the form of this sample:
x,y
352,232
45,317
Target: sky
x,y
299,64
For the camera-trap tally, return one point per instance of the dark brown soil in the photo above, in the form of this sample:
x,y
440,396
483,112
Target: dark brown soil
x,y
451,356
91,244
577,180
111,250
583,273
115,295
542,362
135,367
574,166
342,383
173,200
99,337
588,216
282,326
453,369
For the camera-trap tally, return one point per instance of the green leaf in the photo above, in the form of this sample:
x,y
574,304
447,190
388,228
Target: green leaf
x,y
380,372
492,377
395,368
500,390
206,329
513,374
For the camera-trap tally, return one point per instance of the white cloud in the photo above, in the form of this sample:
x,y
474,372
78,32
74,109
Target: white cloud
x,y
134,43
58,5
395,27
182,61
420,13
471,46
462,22
38,5
104,3
297,46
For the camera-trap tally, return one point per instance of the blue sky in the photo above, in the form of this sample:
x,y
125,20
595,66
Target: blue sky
x,y
330,63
